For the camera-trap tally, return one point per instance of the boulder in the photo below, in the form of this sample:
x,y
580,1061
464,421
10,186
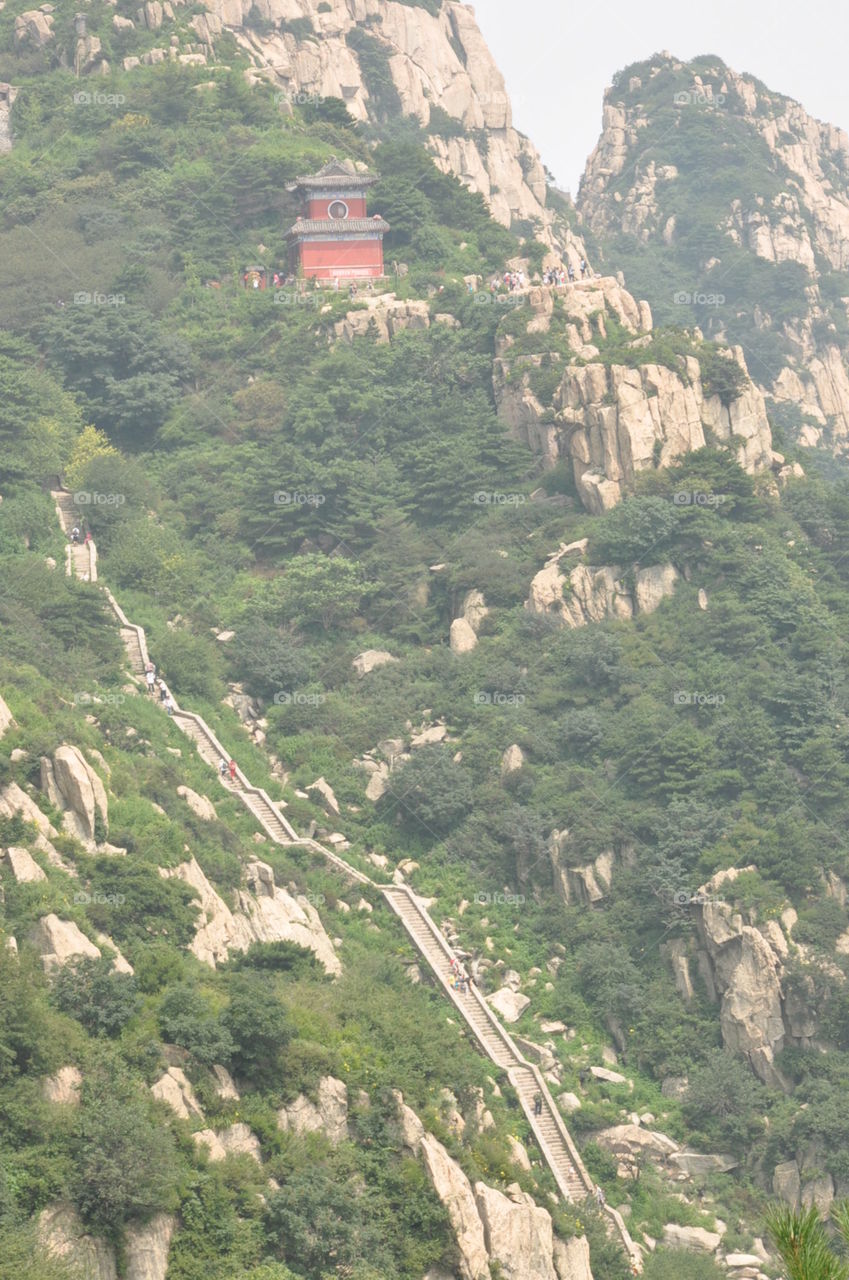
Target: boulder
x,y
696,1239
370,659
518,1154
33,29
237,1140
633,1138
512,760
58,941
569,1102
518,1234
572,1259
329,1115
22,865
263,913
174,1089
509,1004
734,1260
63,1086
322,792
610,1077
63,1235
224,1086
5,718
454,1190
199,805
70,782
146,1248
462,636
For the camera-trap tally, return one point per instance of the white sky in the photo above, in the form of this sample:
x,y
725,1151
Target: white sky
x,y
558,57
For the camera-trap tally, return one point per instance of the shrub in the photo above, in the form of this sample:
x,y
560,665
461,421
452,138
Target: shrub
x,y
186,1019
258,1026
91,991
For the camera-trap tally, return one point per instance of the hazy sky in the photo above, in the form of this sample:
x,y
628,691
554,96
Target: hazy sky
x,y
558,56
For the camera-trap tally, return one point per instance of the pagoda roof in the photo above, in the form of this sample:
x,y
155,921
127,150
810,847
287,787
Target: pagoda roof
x,y
337,173
337,226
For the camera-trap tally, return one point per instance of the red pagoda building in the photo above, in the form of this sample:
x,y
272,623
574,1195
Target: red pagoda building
x,y
334,238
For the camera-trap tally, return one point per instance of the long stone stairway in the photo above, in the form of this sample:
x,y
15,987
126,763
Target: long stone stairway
x,y
553,1138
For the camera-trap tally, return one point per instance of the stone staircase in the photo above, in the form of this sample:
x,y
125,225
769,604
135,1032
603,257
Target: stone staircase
x,y
80,559
555,1143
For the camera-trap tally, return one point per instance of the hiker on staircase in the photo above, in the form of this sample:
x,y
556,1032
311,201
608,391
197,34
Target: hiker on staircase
x,y
537,1103
150,677
75,535
232,770
222,769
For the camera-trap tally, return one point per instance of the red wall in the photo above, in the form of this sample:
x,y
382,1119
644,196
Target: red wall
x,y
327,259
320,204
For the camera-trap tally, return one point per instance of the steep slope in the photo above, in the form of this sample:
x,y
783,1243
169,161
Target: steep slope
x,y
727,205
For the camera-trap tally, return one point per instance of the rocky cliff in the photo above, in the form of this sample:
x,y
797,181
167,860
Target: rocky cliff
x,y
728,206
382,58
563,391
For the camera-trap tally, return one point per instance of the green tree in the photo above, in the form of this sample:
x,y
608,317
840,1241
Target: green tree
x,y
803,1243
187,1019
124,1166
258,1025
90,990
430,792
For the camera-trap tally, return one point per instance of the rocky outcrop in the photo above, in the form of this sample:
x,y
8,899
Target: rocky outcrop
x,y
263,912
58,941
33,29
696,1239
201,806
236,1140
384,316
145,1248
370,660
322,792
70,783
327,1115
587,884
611,422
803,221
6,720
464,629
14,801
22,865
582,594
432,63
175,1090
8,93
62,1234
509,1004
64,1086
507,1231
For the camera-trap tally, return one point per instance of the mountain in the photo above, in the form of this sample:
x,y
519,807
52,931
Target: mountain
x,y
388,62
727,206
521,614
